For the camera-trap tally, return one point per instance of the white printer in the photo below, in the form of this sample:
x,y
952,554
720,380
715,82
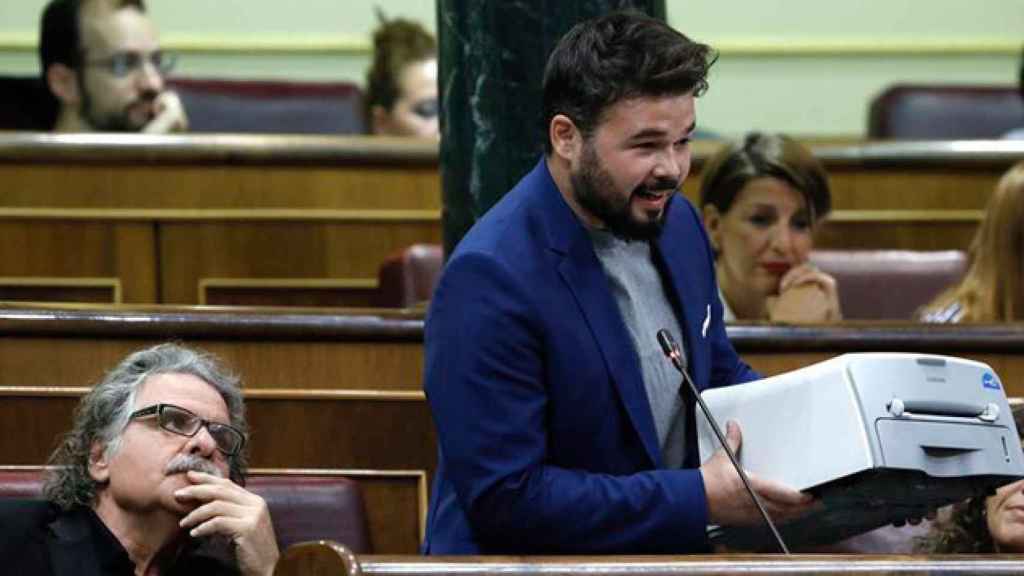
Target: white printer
x,y
877,437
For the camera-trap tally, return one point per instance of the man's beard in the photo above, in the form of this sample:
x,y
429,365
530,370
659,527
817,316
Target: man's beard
x,y
112,122
594,190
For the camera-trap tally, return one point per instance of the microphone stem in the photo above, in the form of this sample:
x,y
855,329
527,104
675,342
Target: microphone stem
x,y
732,458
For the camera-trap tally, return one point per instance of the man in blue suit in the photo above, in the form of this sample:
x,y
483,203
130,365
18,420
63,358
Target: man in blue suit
x,y
561,426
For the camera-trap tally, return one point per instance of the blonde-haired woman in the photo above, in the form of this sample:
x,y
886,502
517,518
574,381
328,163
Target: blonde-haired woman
x,y
992,289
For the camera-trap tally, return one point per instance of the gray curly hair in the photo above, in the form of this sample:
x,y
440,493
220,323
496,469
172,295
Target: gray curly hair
x,y
104,412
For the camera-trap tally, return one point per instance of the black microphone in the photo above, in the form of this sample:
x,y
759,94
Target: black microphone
x,y
671,349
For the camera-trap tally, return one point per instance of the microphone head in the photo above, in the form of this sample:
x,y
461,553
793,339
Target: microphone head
x,y
671,349
668,343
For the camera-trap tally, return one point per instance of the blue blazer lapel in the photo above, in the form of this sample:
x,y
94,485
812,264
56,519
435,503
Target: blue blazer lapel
x,y
694,310
584,275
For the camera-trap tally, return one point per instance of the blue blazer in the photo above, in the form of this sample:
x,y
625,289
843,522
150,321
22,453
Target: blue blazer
x,y
546,438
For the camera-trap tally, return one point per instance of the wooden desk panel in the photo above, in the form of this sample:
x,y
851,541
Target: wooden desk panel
x,y
330,209
913,187
84,290
692,565
921,231
372,350
396,506
341,251
315,431
297,292
161,184
70,361
250,207
49,253
323,558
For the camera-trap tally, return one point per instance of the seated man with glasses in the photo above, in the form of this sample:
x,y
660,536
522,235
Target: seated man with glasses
x,y
101,60
148,481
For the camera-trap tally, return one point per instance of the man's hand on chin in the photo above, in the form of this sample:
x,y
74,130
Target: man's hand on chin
x,y
228,509
170,115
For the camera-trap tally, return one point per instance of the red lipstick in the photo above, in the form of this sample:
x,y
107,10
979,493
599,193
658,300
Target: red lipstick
x,y
779,268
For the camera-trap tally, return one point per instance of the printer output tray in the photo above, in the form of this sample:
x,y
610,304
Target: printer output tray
x,y
858,503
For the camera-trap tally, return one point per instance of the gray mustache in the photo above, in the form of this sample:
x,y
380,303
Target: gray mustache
x,y
185,462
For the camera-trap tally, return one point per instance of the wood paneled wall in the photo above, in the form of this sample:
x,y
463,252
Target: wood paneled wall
x,y
213,220
307,221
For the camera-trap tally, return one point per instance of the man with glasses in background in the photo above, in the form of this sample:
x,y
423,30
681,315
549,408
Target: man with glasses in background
x,y
101,60
148,481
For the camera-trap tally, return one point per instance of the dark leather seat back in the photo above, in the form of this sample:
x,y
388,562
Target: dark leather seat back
x,y
247,106
889,284
303,507
945,112
271,107
407,277
26,104
873,284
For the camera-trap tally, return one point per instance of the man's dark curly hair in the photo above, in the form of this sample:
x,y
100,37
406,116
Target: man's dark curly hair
x,y
615,57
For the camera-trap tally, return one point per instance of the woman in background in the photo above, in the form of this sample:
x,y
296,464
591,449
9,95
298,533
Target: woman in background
x,y
981,525
991,291
401,85
761,200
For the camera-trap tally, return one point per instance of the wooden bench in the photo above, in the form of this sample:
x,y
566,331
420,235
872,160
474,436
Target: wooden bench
x,y
753,565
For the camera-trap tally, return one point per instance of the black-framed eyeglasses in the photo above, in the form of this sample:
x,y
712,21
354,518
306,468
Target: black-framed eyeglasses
x,y
122,64
178,420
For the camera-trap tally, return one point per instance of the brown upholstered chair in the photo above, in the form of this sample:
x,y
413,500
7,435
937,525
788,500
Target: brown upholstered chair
x,y
945,112
303,506
889,284
407,277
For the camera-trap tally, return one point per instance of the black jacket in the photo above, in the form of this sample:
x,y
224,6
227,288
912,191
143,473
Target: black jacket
x,y
39,539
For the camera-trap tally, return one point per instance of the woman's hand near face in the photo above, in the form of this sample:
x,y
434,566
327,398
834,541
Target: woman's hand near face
x,y
806,296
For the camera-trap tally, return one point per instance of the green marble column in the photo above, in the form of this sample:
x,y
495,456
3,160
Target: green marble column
x,y
492,55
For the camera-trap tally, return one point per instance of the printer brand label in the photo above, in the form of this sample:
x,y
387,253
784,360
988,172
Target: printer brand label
x,y
988,380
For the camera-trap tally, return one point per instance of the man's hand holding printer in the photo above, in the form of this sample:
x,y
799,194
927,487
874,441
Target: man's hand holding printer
x,y
729,504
